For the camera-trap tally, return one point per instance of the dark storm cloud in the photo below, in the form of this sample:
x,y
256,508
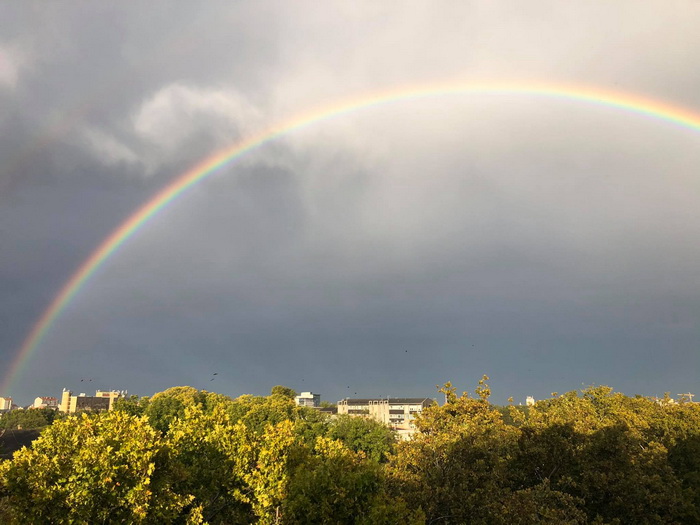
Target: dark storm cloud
x,y
545,242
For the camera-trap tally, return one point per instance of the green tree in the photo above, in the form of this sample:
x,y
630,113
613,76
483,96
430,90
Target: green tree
x,y
210,456
133,405
34,418
283,391
608,451
456,469
106,468
374,439
165,407
332,484
256,413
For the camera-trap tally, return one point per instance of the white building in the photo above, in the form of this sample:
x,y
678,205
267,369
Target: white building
x,y
45,402
308,399
5,403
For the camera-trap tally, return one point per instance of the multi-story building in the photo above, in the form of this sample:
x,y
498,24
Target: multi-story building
x,y
397,412
100,401
45,402
112,395
5,403
308,399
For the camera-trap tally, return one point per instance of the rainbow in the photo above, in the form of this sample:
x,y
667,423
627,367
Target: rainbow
x,y
617,100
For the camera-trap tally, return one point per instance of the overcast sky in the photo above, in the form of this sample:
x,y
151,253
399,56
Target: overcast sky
x,y
547,243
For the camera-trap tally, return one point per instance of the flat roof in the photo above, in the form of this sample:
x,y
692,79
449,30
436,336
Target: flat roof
x,y
390,400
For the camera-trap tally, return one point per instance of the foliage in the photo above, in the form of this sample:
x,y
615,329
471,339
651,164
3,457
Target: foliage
x,y
332,484
108,467
133,405
374,439
456,470
28,419
209,457
612,453
190,456
165,407
283,391
256,413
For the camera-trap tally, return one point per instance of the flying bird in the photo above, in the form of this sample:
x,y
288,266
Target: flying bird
x,y
215,374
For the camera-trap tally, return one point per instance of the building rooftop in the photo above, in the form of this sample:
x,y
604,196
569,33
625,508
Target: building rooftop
x,y
390,400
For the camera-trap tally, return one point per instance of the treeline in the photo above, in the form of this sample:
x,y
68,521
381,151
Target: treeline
x,y
189,456
34,418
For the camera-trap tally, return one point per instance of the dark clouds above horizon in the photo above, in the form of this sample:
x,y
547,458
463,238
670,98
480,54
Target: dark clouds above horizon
x,y
548,243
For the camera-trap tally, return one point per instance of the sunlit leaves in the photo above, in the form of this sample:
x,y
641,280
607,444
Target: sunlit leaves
x,y
593,456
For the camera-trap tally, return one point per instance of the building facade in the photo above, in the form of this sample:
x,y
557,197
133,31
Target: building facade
x,y
102,400
45,402
397,412
5,403
308,399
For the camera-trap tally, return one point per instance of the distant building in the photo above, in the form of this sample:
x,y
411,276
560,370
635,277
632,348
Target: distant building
x,y
530,401
308,399
100,401
668,400
5,403
45,402
397,412
112,395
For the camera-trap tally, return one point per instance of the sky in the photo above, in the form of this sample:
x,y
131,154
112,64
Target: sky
x,y
547,242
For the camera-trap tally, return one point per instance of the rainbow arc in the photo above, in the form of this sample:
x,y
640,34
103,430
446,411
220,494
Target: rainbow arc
x,y
212,164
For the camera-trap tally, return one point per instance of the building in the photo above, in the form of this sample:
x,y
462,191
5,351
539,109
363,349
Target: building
x,y
45,402
100,401
529,401
308,399
112,395
397,412
5,403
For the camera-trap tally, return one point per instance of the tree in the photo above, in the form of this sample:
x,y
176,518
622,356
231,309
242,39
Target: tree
x,y
332,484
256,413
608,451
209,457
165,407
359,434
133,405
456,468
92,469
283,391
28,419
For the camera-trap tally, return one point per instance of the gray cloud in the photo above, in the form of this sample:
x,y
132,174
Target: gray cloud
x,y
547,242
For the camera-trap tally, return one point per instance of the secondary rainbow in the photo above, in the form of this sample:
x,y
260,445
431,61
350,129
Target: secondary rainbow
x,y
619,100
